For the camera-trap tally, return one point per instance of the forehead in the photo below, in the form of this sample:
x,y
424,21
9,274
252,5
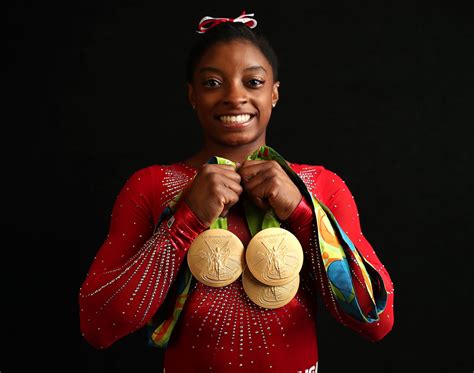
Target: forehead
x,y
233,55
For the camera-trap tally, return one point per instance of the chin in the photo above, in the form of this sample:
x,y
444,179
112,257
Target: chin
x,y
237,140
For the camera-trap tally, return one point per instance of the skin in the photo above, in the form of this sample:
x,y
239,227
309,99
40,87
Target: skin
x,y
235,78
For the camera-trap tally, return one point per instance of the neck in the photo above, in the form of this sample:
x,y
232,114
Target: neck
x,y
235,154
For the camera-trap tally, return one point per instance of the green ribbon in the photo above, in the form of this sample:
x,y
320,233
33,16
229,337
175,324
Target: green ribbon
x,y
257,219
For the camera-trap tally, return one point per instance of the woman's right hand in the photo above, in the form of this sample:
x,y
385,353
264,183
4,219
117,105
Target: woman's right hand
x,y
214,190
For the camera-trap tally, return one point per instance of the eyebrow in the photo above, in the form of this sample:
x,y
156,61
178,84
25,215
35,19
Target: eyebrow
x,y
257,67
216,70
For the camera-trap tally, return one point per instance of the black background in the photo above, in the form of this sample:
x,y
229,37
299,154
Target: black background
x,y
380,93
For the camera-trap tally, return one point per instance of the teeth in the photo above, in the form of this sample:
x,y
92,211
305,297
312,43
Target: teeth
x,y
235,118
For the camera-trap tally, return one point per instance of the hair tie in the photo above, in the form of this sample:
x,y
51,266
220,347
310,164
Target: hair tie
x,y
207,22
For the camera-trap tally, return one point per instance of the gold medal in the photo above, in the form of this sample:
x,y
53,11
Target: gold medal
x,y
216,257
269,296
274,256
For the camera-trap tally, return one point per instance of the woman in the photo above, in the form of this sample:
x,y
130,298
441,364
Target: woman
x,y
233,87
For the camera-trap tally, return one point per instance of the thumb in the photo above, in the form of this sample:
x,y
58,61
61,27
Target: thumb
x,y
224,212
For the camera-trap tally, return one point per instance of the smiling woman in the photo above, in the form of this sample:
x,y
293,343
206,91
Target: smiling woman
x,y
222,256
233,91
232,85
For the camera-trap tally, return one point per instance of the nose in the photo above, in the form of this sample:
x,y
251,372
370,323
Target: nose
x,y
235,94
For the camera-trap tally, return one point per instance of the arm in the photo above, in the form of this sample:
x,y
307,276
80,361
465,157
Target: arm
x,y
134,268
333,192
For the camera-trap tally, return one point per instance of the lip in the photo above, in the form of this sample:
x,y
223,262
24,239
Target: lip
x,y
235,126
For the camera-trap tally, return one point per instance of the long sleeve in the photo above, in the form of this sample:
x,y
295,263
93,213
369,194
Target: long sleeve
x,y
333,192
134,268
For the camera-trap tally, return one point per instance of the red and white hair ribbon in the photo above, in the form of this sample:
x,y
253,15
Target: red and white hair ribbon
x,y
209,22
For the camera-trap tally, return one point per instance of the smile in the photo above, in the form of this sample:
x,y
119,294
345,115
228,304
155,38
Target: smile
x,y
235,120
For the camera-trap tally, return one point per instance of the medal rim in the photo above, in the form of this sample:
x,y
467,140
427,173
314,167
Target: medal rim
x,y
201,236
251,289
258,276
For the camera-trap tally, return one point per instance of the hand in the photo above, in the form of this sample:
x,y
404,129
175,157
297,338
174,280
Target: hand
x,y
268,185
214,190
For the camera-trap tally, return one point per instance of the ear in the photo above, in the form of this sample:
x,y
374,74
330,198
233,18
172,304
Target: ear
x,y
191,98
275,93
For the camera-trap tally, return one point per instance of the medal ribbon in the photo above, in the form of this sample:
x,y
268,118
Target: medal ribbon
x,y
337,252
257,219
159,335
335,248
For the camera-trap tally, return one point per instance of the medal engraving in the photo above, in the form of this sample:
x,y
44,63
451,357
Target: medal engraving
x,y
274,256
269,296
216,257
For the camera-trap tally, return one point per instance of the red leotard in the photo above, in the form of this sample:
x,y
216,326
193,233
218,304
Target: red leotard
x,y
219,328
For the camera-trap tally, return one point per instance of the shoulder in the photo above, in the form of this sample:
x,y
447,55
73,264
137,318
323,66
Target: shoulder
x,y
139,182
157,183
143,175
319,179
304,168
312,173
156,172
162,176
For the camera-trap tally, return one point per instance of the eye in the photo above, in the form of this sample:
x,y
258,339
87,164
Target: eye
x,y
211,83
255,83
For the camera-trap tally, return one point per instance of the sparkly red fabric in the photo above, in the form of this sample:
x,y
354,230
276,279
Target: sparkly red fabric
x,y
219,328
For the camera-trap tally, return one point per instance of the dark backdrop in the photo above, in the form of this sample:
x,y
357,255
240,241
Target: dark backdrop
x,y
380,93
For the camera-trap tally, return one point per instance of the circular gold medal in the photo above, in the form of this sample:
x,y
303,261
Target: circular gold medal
x,y
216,257
274,256
269,296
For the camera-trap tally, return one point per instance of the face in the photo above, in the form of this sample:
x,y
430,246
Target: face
x,y
232,92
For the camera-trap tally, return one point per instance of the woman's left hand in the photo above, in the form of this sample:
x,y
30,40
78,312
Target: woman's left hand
x,y
268,185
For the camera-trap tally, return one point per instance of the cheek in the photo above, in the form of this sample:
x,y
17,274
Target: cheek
x,y
264,118
204,97
266,106
203,101
265,101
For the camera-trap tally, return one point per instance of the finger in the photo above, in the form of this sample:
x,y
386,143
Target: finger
x,y
269,175
250,170
250,162
232,176
210,167
250,167
227,171
263,188
229,199
258,201
225,211
234,186
233,198
220,175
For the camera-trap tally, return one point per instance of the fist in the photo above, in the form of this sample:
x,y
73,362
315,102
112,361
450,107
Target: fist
x,y
268,185
214,190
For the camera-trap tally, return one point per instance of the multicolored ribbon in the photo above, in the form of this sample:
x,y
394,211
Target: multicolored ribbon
x,y
206,23
334,245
